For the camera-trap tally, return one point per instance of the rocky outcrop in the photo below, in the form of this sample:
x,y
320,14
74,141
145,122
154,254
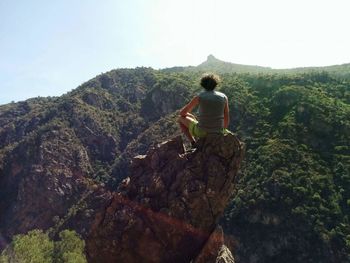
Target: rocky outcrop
x,y
160,102
215,249
169,206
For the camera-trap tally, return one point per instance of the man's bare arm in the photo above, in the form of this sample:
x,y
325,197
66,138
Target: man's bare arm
x,y
189,107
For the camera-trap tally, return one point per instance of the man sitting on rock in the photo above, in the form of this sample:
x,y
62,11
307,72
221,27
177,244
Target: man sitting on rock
x,y
213,111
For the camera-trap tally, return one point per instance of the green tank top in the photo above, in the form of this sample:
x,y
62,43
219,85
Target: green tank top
x,y
211,111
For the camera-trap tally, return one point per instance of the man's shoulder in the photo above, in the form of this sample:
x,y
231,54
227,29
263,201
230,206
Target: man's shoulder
x,y
211,93
202,93
221,94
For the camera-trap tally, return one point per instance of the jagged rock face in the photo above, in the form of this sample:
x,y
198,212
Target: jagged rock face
x,y
43,182
169,206
160,102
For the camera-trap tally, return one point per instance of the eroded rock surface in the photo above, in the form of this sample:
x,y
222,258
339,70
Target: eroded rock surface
x,y
169,206
215,250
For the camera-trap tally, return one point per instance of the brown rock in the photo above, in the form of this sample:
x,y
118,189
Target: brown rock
x,y
214,250
168,208
211,248
224,256
42,183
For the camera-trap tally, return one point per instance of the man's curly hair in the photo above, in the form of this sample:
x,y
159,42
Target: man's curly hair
x,y
210,81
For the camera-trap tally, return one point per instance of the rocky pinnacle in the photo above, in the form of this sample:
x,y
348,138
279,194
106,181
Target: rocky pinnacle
x,y
169,206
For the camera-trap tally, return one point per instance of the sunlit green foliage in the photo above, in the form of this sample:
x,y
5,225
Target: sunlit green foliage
x,y
37,247
33,247
70,248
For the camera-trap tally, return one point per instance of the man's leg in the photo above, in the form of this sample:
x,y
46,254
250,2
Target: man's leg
x,y
184,123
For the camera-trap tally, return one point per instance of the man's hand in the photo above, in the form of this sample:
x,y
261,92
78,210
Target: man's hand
x,y
191,115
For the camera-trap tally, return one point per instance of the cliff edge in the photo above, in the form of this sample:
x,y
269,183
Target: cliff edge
x,y
169,206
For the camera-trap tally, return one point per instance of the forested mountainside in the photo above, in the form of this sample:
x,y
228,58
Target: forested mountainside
x,y
292,199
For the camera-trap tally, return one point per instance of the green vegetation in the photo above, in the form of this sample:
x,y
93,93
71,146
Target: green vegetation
x,y
37,247
292,200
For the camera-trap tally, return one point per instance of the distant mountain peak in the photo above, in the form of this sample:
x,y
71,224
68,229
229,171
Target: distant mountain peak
x,y
218,66
211,58
211,61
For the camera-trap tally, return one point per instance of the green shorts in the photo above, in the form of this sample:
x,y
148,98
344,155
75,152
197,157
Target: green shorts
x,y
197,132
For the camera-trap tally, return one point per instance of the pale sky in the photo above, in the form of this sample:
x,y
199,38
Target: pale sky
x,y
50,47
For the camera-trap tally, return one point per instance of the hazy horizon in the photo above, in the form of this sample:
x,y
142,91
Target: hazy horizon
x,y
49,48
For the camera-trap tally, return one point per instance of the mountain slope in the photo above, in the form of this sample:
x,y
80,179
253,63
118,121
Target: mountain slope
x,y
292,199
